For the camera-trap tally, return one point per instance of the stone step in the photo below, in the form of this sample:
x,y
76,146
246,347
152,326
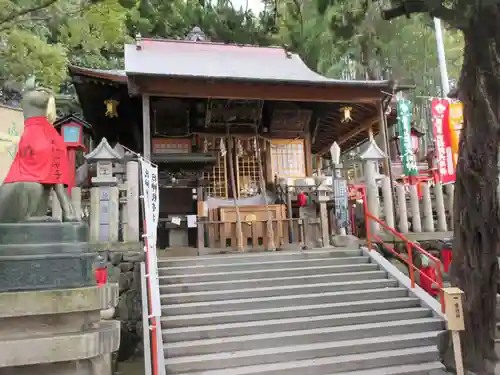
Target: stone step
x,y
260,274
226,360
261,265
267,282
282,301
39,233
178,321
193,332
302,337
257,257
222,295
417,369
336,365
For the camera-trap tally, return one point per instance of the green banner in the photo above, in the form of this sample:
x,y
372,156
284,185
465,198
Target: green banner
x,y
404,129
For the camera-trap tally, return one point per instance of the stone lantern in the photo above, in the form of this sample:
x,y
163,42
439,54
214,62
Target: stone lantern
x,y
371,157
104,156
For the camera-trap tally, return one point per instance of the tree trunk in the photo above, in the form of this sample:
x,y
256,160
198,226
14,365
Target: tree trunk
x,y
477,223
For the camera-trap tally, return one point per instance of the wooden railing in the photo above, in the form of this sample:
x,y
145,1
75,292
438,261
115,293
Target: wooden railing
x,y
256,236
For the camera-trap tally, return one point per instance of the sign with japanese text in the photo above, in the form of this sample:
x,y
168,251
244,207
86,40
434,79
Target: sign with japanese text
x,y
442,140
456,125
404,108
150,193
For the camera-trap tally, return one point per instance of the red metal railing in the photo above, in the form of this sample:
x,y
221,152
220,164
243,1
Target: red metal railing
x,y
360,191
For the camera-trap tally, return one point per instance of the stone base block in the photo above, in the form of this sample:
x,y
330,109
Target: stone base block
x,y
47,271
345,241
48,255
100,365
63,301
102,339
39,233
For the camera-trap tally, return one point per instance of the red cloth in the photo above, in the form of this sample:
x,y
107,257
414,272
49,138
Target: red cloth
x,y
446,255
301,199
425,283
41,156
101,276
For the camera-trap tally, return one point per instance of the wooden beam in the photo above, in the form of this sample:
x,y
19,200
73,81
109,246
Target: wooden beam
x,y
195,88
364,126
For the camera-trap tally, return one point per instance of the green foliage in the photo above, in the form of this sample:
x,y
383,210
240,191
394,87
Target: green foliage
x,y
348,39
43,42
91,33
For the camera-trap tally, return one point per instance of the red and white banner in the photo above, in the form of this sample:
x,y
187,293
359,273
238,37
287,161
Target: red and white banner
x,y
442,140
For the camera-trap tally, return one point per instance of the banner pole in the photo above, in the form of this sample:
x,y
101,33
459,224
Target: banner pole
x,y
145,321
154,350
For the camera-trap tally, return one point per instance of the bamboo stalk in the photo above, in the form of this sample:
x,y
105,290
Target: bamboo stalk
x,y
239,231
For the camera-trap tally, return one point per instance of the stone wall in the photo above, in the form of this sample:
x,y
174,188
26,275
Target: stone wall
x,y
124,269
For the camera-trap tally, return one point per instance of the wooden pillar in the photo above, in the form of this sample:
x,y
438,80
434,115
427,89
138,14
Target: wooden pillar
x,y
383,134
200,226
146,127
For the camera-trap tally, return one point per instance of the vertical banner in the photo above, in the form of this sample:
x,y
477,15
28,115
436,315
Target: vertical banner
x,y
456,125
150,190
404,109
442,139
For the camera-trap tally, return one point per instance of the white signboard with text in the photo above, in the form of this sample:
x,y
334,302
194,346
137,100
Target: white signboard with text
x,y
150,191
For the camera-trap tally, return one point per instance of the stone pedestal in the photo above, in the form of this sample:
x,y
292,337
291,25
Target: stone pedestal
x,y
50,308
58,332
49,255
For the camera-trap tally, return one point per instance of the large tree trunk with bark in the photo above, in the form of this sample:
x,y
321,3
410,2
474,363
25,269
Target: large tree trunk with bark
x,y
477,223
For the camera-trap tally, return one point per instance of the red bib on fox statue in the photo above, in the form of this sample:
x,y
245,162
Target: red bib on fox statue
x,y
41,156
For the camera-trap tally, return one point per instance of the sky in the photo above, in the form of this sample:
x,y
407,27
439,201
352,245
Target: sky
x,y
255,5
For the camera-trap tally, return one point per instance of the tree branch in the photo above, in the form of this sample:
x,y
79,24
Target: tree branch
x,y
409,7
23,12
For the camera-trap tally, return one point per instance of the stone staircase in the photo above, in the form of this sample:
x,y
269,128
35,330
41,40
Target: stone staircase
x,y
292,313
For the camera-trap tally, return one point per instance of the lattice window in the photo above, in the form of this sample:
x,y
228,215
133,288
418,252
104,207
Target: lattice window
x,y
288,158
248,168
217,179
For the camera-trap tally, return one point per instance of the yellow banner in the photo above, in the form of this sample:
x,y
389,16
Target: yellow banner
x,y
456,124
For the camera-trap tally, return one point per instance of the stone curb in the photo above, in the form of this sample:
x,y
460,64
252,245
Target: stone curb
x,y
60,301
104,339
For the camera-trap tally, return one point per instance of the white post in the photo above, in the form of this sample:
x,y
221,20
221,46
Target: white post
x,y
388,206
372,198
146,127
95,199
440,208
114,214
403,211
443,69
427,208
450,199
415,210
132,207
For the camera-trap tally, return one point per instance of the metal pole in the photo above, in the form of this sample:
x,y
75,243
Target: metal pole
x,y
445,83
145,321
